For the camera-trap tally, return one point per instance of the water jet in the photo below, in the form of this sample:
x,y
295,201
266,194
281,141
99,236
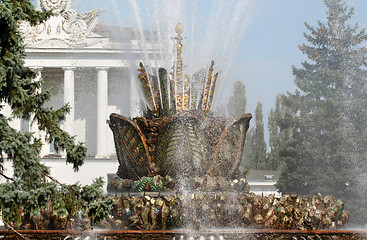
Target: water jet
x,y
180,146
179,171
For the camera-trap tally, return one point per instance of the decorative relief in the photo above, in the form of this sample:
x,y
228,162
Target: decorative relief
x,y
31,34
66,26
79,25
57,6
49,30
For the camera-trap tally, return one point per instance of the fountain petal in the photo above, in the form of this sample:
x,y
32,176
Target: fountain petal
x,y
228,150
178,147
133,153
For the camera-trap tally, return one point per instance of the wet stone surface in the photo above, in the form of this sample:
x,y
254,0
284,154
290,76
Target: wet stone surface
x,y
217,209
187,235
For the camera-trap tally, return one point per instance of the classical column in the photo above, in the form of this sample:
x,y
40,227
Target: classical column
x,y
69,98
32,124
135,109
102,112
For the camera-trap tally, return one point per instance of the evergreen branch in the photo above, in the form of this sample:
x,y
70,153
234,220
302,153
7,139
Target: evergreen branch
x,y
53,179
8,178
56,181
13,230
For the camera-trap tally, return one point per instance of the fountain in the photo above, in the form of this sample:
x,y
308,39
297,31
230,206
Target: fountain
x,y
179,170
179,175
179,138
186,162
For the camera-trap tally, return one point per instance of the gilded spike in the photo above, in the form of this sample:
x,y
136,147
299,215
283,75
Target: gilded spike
x,y
212,87
207,90
182,94
150,92
164,92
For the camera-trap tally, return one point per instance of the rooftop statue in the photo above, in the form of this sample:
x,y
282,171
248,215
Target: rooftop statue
x,y
66,28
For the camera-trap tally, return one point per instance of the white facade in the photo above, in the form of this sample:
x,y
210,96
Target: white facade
x,y
91,169
89,72
263,182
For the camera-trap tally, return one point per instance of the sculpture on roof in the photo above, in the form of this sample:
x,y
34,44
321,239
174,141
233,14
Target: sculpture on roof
x,y
66,28
57,6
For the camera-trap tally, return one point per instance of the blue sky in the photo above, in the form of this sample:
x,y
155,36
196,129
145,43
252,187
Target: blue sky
x,y
269,45
267,48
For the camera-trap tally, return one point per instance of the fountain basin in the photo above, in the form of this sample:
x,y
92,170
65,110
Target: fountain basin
x,y
227,234
174,145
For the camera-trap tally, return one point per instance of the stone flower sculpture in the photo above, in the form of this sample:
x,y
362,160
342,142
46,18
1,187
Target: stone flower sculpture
x,y
179,136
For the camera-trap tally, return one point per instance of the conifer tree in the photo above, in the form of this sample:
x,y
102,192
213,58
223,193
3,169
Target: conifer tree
x,y
237,102
328,122
248,155
31,188
259,139
237,107
255,146
279,133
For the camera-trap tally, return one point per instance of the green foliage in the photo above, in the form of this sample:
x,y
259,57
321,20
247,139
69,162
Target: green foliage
x,y
280,124
147,184
15,200
237,102
255,146
248,155
28,192
260,145
92,192
87,199
236,107
63,201
98,210
321,128
65,204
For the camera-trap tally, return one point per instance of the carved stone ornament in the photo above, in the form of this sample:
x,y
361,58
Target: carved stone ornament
x,y
57,6
66,28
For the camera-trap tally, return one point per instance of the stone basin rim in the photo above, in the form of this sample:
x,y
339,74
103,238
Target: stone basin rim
x,y
186,231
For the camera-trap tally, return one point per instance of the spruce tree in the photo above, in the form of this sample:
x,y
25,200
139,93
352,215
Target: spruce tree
x,y
328,123
31,189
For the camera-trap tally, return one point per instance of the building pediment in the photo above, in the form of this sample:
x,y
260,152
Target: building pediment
x,y
65,29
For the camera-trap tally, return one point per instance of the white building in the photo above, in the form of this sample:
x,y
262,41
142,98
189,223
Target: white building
x,y
90,69
85,69
263,182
